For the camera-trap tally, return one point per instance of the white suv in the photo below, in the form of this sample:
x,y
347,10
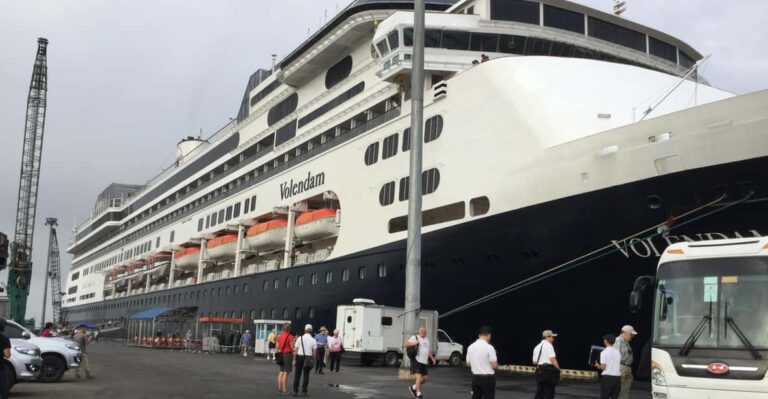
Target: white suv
x,y
59,354
25,362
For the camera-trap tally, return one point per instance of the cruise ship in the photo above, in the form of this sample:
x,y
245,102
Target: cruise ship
x,y
564,149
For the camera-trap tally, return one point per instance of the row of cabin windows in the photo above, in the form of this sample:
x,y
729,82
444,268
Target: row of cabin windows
x,y
226,214
430,181
442,214
364,121
433,128
362,273
133,252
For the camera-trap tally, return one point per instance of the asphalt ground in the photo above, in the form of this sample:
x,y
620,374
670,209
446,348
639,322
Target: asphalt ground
x,y
125,372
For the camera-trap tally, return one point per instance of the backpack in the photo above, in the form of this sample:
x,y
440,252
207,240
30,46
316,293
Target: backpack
x,y
412,351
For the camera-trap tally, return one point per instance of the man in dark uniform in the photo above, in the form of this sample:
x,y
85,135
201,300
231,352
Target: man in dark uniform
x,y
5,347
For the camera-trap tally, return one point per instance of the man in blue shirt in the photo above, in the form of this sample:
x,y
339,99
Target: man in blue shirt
x,y
322,344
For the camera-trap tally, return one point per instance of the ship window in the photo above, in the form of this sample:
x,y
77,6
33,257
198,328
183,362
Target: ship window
x,y
455,40
345,275
433,128
314,278
285,313
563,19
266,285
283,109
311,312
430,180
277,283
408,37
236,211
75,276
361,272
510,44
72,290
685,60
265,92
372,154
328,277
199,225
213,219
262,313
430,217
219,292
616,34
387,194
245,206
479,206
382,269
394,41
386,321
229,212
300,281
338,100
285,133
484,42
432,38
221,216
245,288
383,48
406,139
235,289
403,194
662,49
338,72
389,149
287,282
297,312
515,10
253,203
273,313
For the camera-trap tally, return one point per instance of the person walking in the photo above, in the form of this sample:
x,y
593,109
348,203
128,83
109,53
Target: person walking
x,y
419,360
245,342
322,344
547,366
82,340
285,357
610,363
303,356
5,347
622,345
46,331
335,348
271,345
481,358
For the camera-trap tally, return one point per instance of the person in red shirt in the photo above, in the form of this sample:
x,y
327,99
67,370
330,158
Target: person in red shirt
x,y
46,332
285,342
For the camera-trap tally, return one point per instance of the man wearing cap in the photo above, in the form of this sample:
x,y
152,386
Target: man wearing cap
x,y
322,343
544,353
622,344
303,353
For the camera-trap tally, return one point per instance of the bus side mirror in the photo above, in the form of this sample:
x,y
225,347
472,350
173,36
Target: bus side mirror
x,y
636,296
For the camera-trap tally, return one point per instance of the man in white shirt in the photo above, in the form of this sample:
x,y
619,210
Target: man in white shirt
x,y
544,353
481,358
610,363
419,362
303,353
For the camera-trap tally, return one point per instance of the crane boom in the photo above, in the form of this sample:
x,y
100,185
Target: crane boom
x,y
20,268
53,274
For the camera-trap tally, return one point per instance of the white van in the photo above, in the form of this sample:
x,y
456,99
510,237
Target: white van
x,y
375,333
710,320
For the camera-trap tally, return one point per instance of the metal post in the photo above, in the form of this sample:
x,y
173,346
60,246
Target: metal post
x,y
146,288
201,263
170,271
238,252
130,285
45,289
413,250
289,238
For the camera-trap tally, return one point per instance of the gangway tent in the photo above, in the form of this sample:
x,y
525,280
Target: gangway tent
x,y
165,321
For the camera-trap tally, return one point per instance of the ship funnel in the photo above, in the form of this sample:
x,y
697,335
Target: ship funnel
x,y
187,147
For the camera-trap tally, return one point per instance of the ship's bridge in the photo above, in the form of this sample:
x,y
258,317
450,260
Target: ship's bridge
x,y
473,31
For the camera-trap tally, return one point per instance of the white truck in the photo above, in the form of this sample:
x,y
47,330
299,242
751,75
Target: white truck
x,y
375,332
710,320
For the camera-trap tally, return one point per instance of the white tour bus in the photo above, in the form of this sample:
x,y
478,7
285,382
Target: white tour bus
x,y
710,320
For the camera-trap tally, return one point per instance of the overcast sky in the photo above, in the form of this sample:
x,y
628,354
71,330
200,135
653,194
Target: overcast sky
x,y
128,79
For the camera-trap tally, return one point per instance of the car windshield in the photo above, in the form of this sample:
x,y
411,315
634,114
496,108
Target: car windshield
x,y
725,299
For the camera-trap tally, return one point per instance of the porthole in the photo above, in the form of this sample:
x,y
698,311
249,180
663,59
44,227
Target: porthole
x,y
372,154
387,194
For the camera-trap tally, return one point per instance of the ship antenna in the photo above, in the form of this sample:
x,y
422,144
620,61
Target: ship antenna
x,y
619,7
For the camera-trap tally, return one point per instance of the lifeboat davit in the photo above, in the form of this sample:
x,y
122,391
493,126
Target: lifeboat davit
x,y
317,224
268,236
187,258
222,248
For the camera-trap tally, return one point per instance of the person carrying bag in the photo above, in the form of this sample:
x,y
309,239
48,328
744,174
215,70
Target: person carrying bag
x,y
547,367
304,354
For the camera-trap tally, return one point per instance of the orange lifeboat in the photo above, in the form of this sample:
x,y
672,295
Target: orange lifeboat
x,y
317,224
268,236
222,248
187,258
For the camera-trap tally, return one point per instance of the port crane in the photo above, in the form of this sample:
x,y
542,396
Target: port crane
x,y
20,259
53,274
